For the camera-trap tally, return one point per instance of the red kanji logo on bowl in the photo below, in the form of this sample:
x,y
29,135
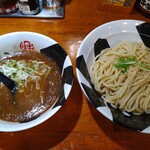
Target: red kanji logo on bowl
x,y
27,46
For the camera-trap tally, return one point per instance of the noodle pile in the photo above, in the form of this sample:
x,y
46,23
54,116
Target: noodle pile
x,y
122,75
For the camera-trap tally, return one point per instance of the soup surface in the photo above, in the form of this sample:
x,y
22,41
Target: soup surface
x,y
38,81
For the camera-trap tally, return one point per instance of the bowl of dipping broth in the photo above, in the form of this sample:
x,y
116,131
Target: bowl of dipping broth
x,y
39,78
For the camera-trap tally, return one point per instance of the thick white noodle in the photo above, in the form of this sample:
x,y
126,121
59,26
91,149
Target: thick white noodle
x,y
129,91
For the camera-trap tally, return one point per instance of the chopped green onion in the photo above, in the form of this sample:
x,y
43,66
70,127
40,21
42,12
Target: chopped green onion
x,y
124,63
22,71
144,66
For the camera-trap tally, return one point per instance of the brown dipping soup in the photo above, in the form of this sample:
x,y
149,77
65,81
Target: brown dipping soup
x,y
36,96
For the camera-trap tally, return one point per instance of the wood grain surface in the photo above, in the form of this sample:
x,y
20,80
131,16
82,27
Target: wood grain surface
x,y
77,125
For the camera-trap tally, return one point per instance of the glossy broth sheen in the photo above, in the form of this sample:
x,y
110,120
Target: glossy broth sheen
x,y
30,103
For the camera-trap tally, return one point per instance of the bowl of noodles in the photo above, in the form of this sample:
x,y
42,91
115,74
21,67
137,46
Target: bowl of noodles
x,y
113,70
38,79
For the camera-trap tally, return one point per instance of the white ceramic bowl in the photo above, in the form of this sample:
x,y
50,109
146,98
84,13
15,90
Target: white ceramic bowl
x,y
31,41
100,38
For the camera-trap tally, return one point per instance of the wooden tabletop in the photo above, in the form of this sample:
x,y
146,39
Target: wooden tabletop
x,y
77,125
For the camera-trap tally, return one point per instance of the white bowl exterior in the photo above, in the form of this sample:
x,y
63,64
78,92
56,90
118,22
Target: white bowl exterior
x,y
13,40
